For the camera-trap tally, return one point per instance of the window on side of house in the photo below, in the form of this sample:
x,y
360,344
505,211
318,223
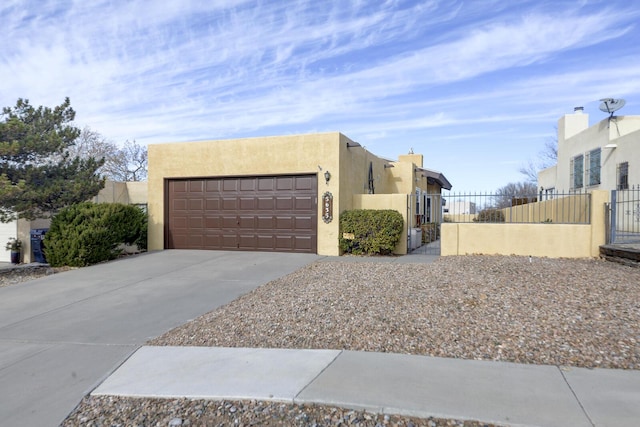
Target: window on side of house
x,y
576,171
593,167
549,192
622,174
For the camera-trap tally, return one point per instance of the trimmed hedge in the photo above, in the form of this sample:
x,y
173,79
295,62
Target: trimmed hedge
x,y
374,232
89,233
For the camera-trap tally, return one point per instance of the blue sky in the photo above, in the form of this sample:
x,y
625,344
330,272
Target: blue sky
x,y
475,86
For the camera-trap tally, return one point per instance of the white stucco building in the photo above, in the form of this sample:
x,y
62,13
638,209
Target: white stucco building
x,y
605,156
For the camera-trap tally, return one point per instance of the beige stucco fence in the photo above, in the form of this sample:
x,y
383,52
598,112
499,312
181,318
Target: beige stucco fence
x,y
544,235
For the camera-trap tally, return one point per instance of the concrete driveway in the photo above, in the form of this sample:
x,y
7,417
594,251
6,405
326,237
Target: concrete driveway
x,y
61,335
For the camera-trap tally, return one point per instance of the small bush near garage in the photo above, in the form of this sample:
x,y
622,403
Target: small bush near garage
x,y
370,232
89,233
490,215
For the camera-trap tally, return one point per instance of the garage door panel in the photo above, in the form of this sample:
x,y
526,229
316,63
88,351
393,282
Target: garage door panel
x,y
264,222
304,203
245,213
230,222
284,242
229,204
285,183
246,222
180,204
266,184
266,203
213,186
179,223
247,241
247,204
194,240
195,222
303,243
212,222
212,204
305,183
247,184
303,223
195,204
229,241
212,241
265,242
284,203
230,185
284,223
196,186
178,241
179,186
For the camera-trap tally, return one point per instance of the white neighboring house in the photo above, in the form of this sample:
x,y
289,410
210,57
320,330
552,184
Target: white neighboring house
x,y
460,207
605,156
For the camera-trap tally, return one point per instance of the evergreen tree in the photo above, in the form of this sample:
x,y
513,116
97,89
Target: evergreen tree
x,y
37,174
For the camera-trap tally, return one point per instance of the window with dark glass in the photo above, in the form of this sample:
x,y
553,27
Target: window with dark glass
x,y
623,176
593,167
577,171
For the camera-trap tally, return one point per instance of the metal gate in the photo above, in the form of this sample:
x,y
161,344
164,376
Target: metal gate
x,y
623,216
424,213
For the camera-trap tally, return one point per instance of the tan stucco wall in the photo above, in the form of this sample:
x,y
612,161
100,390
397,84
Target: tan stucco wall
x,y
129,193
397,202
295,154
347,162
542,240
548,240
138,192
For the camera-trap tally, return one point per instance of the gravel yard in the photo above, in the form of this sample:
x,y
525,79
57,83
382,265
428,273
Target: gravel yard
x,y
23,273
542,311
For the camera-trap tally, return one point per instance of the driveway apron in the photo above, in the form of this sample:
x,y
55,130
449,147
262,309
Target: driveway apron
x,y
62,334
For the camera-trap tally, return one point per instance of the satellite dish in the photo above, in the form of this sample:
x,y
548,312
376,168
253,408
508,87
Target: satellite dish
x,y
610,105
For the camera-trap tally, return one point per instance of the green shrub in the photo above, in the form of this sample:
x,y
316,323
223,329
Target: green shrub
x,y
371,232
89,233
490,215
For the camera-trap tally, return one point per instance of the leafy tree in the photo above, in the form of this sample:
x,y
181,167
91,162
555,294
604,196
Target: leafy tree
x,y
37,176
522,192
128,163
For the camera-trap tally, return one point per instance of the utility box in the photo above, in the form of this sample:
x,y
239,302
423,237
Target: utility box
x,y
37,245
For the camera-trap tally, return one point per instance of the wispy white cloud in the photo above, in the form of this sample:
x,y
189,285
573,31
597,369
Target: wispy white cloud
x,y
192,70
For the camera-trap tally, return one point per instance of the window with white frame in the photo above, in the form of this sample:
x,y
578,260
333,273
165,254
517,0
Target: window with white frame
x,y
622,174
576,171
593,167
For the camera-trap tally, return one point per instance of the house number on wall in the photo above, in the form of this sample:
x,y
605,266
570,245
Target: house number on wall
x,y
327,207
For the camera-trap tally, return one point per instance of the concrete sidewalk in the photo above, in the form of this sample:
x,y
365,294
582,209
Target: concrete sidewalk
x,y
496,392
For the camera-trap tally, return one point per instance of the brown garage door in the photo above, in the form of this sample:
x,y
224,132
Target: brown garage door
x,y
273,213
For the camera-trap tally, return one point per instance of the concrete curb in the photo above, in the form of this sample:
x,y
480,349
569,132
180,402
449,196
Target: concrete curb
x,y
496,392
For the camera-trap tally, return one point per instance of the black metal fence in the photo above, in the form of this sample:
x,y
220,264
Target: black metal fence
x,y
558,208
624,216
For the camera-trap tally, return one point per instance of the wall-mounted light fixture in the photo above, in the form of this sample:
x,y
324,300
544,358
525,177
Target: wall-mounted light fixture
x,y
388,165
327,177
611,146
